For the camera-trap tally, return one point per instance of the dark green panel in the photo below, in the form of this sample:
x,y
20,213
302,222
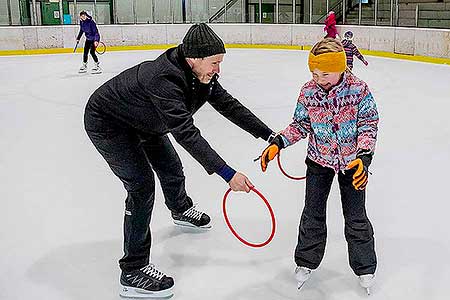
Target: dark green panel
x,y
25,16
65,7
268,13
50,10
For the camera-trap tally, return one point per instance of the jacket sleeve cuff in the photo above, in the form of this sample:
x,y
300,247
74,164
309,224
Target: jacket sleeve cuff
x,y
226,172
268,135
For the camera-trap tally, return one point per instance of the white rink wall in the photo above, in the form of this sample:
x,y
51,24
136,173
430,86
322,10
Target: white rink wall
x,y
414,41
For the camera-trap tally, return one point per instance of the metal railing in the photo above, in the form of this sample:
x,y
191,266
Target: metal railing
x,y
340,9
222,11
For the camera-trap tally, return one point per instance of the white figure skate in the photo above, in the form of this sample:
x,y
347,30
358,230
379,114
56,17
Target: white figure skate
x,y
96,69
367,281
302,274
83,68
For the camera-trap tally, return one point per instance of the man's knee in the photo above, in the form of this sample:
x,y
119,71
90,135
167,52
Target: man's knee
x,y
144,185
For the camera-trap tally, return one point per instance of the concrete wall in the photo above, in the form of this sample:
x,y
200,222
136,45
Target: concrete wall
x,y
414,41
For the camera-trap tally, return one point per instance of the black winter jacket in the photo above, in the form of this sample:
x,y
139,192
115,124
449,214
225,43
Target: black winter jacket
x,y
160,97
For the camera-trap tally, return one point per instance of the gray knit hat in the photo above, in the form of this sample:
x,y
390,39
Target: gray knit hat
x,y
201,41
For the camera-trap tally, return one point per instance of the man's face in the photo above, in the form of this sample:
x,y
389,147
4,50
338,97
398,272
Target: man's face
x,y
83,17
205,68
326,79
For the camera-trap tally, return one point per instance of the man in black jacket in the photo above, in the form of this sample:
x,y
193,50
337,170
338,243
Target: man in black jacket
x,y
128,119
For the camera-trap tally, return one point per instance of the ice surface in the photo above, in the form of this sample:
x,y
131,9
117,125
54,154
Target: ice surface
x,y
62,208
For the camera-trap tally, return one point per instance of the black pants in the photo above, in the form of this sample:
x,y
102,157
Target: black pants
x,y
313,229
133,156
89,47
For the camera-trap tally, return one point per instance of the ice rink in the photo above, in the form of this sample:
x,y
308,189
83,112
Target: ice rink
x,y
62,208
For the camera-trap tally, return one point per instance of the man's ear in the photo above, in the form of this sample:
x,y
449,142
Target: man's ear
x,y
190,61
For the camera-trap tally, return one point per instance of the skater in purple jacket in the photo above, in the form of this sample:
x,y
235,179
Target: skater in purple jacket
x,y
89,28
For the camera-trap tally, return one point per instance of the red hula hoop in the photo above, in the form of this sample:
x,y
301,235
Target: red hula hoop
x,y
272,216
284,172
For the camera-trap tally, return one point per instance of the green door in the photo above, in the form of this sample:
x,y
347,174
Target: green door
x,y
50,12
268,13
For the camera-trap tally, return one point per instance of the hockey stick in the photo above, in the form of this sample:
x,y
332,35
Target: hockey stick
x,y
272,216
76,46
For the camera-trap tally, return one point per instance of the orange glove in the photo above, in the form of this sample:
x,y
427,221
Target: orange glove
x,y
271,151
361,163
268,154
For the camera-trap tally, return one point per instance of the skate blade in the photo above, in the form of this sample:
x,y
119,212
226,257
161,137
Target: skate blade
x,y
96,72
368,291
300,285
188,225
82,72
131,292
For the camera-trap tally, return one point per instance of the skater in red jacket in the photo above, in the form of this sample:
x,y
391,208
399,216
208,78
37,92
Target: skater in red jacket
x,y
330,26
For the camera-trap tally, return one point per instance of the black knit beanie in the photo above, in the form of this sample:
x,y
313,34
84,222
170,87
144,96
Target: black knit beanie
x,y
201,41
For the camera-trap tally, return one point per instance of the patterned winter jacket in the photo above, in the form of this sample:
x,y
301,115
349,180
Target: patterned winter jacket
x,y
339,123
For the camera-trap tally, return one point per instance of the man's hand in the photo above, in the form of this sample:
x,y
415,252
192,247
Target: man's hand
x,y
240,183
96,44
366,62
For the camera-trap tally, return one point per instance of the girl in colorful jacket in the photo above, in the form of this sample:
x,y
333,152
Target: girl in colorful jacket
x,y
338,113
89,28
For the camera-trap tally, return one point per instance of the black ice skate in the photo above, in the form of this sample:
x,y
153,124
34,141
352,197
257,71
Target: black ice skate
x,y
146,282
192,218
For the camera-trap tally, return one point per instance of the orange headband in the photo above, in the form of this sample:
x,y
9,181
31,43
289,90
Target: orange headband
x,y
328,62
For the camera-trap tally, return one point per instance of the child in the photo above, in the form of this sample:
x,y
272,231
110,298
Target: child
x,y
89,28
330,26
338,112
351,49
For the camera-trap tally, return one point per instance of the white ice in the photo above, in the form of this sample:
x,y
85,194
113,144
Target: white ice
x,y
62,208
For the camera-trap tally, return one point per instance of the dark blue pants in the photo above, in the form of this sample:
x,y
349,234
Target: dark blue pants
x,y
312,233
89,47
133,156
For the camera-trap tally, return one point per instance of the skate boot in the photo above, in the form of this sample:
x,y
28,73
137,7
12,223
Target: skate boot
x,y
83,68
367,281
146,282
96,69
302,274
192,218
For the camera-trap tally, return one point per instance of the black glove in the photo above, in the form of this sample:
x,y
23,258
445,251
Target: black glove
x,y
271,137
